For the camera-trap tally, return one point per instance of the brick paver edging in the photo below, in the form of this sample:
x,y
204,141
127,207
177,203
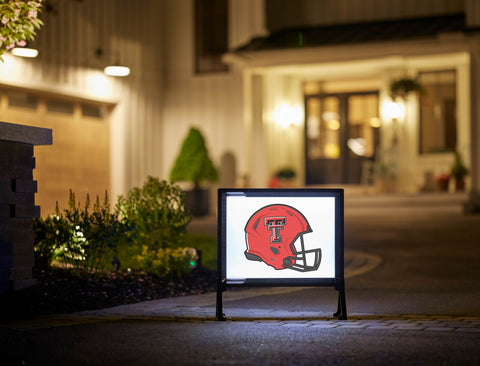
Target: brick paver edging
x,y
406,322
463,324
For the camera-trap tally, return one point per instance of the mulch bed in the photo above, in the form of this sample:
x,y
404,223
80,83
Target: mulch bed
x,y
59,291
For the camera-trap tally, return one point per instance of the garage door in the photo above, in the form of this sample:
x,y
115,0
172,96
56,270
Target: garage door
x,y
79,158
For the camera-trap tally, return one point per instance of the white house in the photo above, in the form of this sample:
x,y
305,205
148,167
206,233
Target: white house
x,y
303,84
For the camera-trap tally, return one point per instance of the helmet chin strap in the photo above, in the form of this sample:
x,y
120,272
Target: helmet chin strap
x,y
302,256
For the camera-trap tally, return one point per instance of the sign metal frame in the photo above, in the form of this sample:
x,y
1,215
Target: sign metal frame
x,y
337,281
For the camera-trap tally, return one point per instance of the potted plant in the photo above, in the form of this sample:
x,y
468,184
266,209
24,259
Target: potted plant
x,y
458,171
194,165
283,178
442,182
403,87
384,177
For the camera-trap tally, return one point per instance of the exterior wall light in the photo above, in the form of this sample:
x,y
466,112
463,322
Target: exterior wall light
x,y
24,52
117,71
286,115
393,110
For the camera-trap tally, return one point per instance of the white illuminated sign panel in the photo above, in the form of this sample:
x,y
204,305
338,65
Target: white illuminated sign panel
x,y
279,237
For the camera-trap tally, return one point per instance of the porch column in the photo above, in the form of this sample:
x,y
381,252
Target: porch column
x,y
257,153
473,204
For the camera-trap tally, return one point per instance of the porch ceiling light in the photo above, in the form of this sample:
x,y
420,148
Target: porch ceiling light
x,y
117,70
24,52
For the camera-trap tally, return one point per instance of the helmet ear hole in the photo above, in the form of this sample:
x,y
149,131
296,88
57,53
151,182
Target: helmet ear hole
x,y
274,250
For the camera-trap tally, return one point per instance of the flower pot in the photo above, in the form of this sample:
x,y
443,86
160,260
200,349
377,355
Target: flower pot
x,y
197,201
442,185
459,184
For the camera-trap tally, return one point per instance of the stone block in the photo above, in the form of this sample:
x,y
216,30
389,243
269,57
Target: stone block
x,y
6,261
4,211
21,224
22,160
24,185
21,273
10,132
23,262
6,196
25,211
22,149
4,159
5,184
23,198
23,243
6,248
7,147
17,285
16,172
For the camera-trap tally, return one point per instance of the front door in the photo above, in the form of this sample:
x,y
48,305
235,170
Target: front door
x,y
341,134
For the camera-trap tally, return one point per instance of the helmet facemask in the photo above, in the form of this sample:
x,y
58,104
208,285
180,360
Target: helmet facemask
x,y
304,257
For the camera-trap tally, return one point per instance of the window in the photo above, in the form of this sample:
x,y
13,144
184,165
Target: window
x,y
22,99
211,35
93,110
438,125
60,106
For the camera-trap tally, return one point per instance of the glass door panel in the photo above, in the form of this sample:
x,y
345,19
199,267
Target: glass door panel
x,y
362,116
323,128
323,139
363,135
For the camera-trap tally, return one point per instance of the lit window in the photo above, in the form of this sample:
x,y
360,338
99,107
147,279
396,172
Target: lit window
x,y
438,125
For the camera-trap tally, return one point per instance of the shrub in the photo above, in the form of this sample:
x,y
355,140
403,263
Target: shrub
x,y
167,261
50,234
158,214
193,163
86,241
150,220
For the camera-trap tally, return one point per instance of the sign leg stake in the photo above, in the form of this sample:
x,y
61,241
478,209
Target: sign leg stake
x,y
341,313
221,286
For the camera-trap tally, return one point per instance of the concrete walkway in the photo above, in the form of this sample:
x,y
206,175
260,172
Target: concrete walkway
x,y
412,269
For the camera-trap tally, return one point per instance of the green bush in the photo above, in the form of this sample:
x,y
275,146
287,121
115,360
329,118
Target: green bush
x,y
150,221
85,241
167,261
157,213
193,163
51,233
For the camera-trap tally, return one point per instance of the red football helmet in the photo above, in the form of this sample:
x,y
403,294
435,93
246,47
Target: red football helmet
x,y
271,233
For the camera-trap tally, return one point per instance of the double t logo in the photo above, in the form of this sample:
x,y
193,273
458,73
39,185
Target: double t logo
x,y
275,224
